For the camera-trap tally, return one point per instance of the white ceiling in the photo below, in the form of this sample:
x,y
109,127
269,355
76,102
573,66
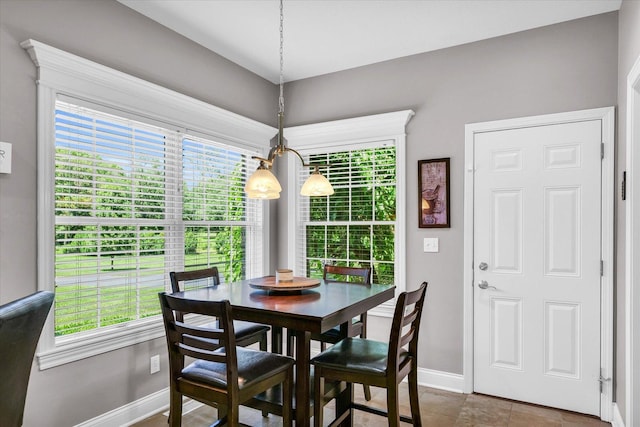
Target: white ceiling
x,y
324,36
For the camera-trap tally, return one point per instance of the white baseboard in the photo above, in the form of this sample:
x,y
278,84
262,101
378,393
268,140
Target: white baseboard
x,y
159,401
131,412
617,420
441,380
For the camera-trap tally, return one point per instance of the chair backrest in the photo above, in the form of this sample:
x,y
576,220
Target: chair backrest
x,y
201,278
336,273
183,280
21,323
205,343
405,328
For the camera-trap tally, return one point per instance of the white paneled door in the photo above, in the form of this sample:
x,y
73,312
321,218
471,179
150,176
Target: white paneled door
x,y
537,219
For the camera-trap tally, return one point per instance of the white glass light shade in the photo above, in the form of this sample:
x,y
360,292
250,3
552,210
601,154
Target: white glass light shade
x,y
263,185
263,196
316,185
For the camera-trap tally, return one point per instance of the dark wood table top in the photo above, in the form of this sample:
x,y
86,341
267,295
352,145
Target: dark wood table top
x,y
315,310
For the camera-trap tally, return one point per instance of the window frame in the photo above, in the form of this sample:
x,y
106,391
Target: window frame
x,y
61,74
356,133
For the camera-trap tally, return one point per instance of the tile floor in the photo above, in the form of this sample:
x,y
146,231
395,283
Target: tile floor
x,y
438,408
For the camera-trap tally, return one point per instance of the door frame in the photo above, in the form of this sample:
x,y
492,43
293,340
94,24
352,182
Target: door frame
x,y
632,246
607,115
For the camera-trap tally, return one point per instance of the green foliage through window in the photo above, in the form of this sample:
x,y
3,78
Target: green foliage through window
x,y
133,202
355,226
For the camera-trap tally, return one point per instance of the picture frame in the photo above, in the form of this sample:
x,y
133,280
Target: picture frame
x,y
434,193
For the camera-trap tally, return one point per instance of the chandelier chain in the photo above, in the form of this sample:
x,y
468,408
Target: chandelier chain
x,y
281,99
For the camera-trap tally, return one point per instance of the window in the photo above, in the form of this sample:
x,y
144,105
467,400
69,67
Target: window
x,y
134,181
222,228
363,223
111,198
126,216
355,227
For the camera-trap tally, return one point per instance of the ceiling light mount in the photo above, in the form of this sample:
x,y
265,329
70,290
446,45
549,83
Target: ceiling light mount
x,y
263,184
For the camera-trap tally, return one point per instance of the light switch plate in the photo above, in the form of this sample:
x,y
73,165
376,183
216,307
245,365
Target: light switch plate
x,y
431,244
5,157
154,363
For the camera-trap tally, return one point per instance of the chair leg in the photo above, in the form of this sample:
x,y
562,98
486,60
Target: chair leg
x,y
222,412
233,416
367,392
287,398
175,409
393,406
263,342
413,397
318,397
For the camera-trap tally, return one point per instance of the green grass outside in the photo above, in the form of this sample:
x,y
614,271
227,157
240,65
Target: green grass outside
x,y
81,307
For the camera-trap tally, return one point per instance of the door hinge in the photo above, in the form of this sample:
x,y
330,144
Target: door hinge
x,y
601,268
603,380
602,150
624,185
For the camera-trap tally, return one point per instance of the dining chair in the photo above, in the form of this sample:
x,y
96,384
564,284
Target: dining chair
x,y
21,323
222,374
336,273
375,363
247,333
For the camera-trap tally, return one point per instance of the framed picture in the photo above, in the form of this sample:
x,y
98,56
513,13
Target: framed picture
x,y
433,189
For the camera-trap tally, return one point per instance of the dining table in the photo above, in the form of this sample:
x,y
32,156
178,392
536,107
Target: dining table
x,y
315,308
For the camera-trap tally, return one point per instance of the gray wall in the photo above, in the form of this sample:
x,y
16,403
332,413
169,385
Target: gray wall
x,y
564,67
628,52
111,34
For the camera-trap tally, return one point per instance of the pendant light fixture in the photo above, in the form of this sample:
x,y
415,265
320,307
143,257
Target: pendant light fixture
x,y
263,184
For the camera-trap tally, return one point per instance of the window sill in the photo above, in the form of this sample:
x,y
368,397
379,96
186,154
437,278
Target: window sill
x,y
385,309
92,344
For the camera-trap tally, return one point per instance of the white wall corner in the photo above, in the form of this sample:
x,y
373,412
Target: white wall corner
x,y
616,420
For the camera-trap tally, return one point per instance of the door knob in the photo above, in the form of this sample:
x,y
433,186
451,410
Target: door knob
x,y
485,285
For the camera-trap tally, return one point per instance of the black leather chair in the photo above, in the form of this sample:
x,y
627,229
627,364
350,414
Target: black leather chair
x,y
222,375
21,323
375,363
247,333
357,276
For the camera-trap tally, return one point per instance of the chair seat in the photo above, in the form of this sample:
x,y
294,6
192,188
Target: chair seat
x,y
244,329
253,366
356,354
333,334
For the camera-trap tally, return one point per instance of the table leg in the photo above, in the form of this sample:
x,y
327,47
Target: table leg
x,y
303,381
276,339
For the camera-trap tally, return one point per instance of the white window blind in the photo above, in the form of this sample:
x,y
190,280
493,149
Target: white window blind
x,y
356,225
134,201
222,226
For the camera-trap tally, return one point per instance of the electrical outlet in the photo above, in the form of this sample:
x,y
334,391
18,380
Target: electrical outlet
x,y
154,364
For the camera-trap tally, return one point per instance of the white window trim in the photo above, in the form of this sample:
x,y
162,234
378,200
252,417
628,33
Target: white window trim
x,y
64,74
355,133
